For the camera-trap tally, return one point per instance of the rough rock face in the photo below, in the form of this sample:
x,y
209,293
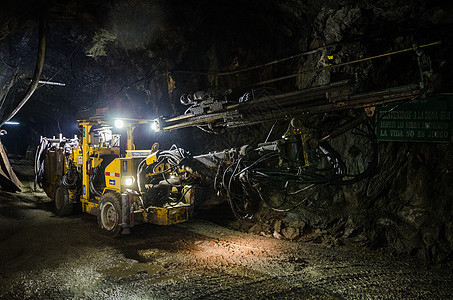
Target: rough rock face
x,y
140,56
407,204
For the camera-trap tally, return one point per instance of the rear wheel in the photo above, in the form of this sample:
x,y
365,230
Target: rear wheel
x,y
109,216
62,203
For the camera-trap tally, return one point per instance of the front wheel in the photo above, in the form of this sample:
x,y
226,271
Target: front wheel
x,y
109,216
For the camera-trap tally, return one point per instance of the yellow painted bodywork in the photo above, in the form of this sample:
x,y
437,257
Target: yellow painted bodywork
x,y
152,158
116,173
77,156
137,153
113,182
171,214
167,215
92,154
86,126
89,206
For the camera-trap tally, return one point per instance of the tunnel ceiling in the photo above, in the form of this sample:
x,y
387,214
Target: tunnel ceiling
x,y
120,52
126,54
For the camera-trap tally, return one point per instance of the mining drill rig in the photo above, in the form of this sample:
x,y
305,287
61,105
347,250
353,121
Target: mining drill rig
x,y
282,174
158,186
122,187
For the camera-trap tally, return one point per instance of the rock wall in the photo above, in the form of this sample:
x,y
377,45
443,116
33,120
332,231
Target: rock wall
x,y
406,206
138,57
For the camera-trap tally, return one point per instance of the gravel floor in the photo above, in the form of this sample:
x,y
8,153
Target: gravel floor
x,y
46,257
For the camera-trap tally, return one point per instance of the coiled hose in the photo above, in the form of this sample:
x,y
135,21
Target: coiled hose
x,y
174,156
70,178
40,157
92,188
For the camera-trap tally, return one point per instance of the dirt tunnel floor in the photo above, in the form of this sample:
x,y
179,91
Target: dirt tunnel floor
x,y
43,256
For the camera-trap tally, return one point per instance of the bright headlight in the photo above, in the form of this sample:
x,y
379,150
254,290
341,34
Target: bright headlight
x,y
129,181
154,126
119,123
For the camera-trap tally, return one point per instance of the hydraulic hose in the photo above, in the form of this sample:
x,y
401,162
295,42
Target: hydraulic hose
x,y
43,29
40,157
70,178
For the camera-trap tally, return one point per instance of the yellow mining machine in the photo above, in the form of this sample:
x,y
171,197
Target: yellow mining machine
x,y
108,178
126,187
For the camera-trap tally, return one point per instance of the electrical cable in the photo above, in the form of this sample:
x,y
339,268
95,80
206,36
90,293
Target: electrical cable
x,y
270,131
296,56
182,197
422,92
341,64
263,158
43,31
61,63
281,210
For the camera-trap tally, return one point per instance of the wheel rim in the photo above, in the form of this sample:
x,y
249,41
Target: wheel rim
x,y
109,216
59,199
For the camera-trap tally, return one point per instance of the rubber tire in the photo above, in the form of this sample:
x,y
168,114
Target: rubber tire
x,y
62,204
109,216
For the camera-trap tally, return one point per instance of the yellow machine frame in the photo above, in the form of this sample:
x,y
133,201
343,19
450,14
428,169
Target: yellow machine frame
x,y
117,172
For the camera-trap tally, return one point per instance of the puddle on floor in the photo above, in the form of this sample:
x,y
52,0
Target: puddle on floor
x,y
150,254
127,269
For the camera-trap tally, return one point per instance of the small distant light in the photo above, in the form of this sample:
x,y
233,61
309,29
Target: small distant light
x,y
129,181
119,123
154,126
12,123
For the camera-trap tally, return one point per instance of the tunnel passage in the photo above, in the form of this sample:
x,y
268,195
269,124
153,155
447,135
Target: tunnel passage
x,y
322,122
